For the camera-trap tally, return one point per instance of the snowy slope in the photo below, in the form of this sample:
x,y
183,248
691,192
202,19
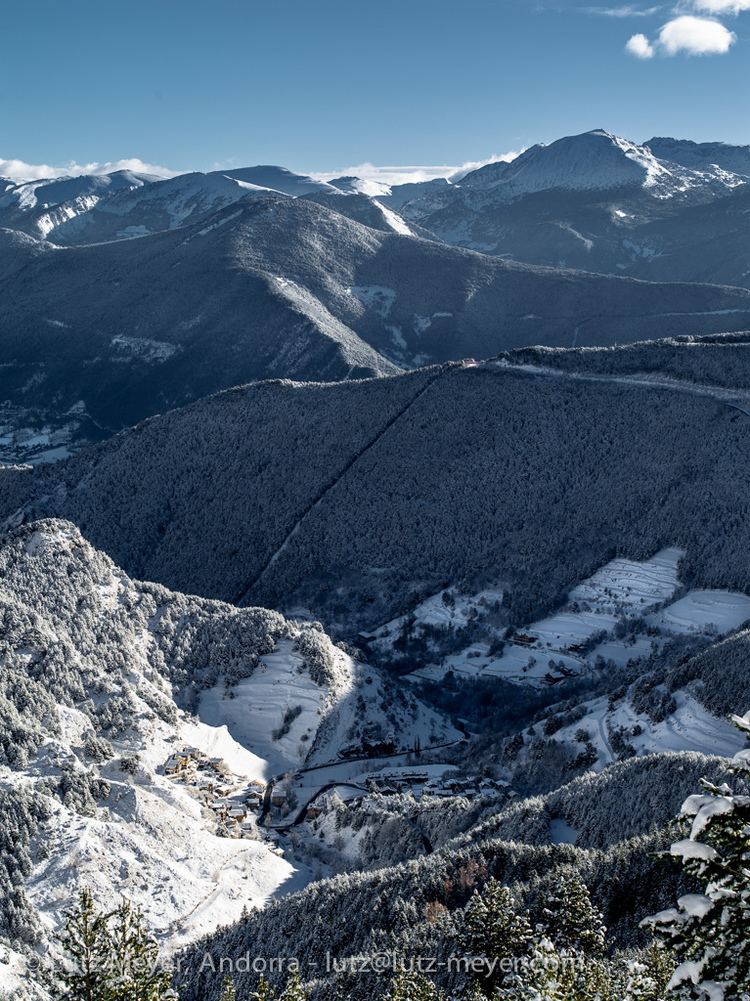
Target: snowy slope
x,y
278,179
258,705
49,192
362,186
322,719
597,160
40,207
690,727
698,156
108,660
164,205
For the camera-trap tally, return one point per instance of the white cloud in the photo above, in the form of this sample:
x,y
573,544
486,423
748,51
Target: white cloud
x,y
411,174
721,6
640,47
19,170
625,10
695,36
688,34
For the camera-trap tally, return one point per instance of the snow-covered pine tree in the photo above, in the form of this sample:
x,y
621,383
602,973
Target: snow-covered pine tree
x,y
263,992
569,917
647,976
491,927
551,974
710,931
294,989
84,975
227,990
134,971
409,986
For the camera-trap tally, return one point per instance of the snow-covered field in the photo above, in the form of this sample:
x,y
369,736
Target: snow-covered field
x,y
443,612
549,649
689,728
35,438
258,706
704,611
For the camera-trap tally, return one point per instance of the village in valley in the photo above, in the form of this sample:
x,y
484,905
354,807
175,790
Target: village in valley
x,y
251,808
235,803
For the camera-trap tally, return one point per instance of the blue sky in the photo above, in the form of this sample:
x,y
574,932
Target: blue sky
x,y
198,84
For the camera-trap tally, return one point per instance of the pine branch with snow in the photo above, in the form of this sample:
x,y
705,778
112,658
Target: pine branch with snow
x,y
709,931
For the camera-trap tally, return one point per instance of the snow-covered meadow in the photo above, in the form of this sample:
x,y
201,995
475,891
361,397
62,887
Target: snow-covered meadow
x,y
585,631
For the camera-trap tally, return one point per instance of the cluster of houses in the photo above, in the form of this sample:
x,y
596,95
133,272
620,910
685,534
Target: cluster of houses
x,y
392,783
233,804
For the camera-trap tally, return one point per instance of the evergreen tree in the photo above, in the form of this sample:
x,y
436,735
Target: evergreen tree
x,y
134,965
569,917
409,986
294,989
109,956
490,927
263,992
85,974
710,931
647,977
227,990
551,974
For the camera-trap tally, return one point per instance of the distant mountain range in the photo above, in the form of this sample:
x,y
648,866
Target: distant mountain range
x,y
279,287
207,280
601,203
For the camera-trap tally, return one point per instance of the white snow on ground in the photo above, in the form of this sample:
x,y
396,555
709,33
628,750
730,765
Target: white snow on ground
x,y
689,728
423,323
623,589
26,437
395,222
621,652
132,232
143,348
153,844
452,611
259,704
222,222
151,839
397,336
328,719
356,773
377,297
217,742
631,584
699,611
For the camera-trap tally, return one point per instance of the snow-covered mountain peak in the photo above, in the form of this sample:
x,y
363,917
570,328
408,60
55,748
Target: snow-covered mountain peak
x,y
278,179
595,161
361,186
698,156
49,192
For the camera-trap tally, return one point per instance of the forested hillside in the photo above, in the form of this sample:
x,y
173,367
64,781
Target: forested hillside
x,y
101,678
414,908
351,500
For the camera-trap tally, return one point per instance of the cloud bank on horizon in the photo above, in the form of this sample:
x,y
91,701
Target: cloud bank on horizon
x,y
20,171
398,174
694,30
